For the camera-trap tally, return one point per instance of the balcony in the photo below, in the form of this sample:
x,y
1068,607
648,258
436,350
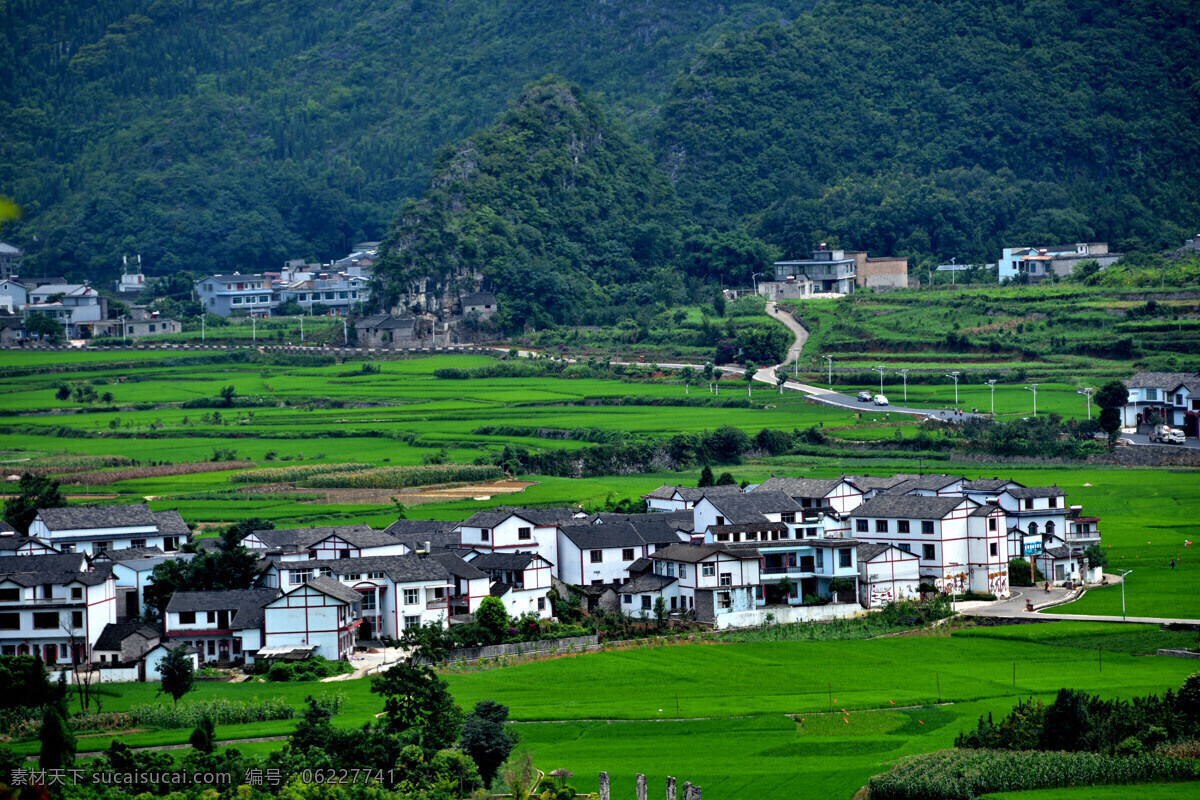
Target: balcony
x,y
437,602
1085,536
780,572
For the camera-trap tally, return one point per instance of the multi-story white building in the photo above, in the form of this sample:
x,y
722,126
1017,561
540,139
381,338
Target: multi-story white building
x,y
522,581
1036,513
132,569
887,574
224,625
340,293
837,494
226,295
529,530
93,529
470,585
75,306
321,613
342,541
962,546
683,498
712,580
750,508
54,606
1174,397
600,550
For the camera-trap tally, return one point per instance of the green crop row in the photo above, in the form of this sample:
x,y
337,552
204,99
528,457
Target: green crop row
x,y
964,775
291,474
401,477
219,709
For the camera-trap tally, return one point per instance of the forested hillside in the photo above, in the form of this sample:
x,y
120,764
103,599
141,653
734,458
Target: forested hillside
x,y
947,127
218,134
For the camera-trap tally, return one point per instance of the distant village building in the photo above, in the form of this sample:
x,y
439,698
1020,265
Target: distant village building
x,y
1039,263
10,260
481,303
1173,396
388,332
828,271
75,306
13,295
226,295
880,273
338,294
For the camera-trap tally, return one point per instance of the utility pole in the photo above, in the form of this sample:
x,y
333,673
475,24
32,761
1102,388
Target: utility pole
x,y
904,374
122,318
346,333
830,360
954,375
203,334
1088,393
301,329
1033,388
253,328
880,369
754,280
1123,574
992,385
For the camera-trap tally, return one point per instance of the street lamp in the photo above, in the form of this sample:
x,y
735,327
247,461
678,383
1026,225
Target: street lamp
x,y
253,328
1123,574
122,318
753,279
954,375
203,332
992,385
301,329
1088,393
346,333
830,360
880,369
1033,388
904,374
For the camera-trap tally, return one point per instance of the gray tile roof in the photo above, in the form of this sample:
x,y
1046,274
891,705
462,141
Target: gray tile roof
x,y
6,528
247,604
640,565
334,589
608,535
907,506
988,485
87,517
690,554
439,541
17,542
539,517
129,554
401,569
646,584
751,507
750,527
869,482
1030,492
868,551
115,633
56,568
386,322
800,487
171,524
297,539
1164,380
985,509
929,483
479,299
503,561
457,567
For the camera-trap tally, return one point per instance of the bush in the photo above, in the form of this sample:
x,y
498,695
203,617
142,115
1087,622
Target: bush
x,y
1018,573
310,669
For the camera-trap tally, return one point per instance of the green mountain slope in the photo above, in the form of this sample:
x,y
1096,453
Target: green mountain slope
x,y
946,127
217,134
558,211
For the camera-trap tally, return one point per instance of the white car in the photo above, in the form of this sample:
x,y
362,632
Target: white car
x,y
880,400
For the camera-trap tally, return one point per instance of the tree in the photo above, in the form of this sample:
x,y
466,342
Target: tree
x,y
726,479
751,371
1067,723
1095,557
1111,397
841,587
418,703
178,673
204,737
719,303
688,375
63,393
486,739
780,380
660,612
42,326
58,742
33,492
492,617
227,395
706,477
716,377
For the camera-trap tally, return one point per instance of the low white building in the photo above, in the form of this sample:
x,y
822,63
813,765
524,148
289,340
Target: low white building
x,y
154,656
597,552
712,579
683,498
887,574
510,530
342,541
1170,397
93,529
224,625
321,613
132,570
522,581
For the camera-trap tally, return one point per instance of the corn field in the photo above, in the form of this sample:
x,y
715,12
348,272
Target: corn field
x,y
299,472
222,712
106,477
401,477
966,774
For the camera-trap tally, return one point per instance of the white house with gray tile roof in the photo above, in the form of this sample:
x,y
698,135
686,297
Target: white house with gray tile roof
x,y
747,508
133,575
713,580
91,529
522,581
637,596
224,625
321,613
1175,396
470,585
840,494
887,574
341,541
929,486
669,497
1036,511
600,551
961,544
505,529
54,606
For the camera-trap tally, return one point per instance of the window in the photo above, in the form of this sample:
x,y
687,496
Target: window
x,y
100,547
993,550
1033,529
722,537
374,576
237,301
1028,503
992,524
881,526
627,599
410,596
187,617
312,555
726,578
902,526
752,536
76,619
368,601
45,620
170,543
658,568
1152,394
1052,501
152,327
1050,528
627,554
670,569
597,556
645,602
212,617
300,575
720,521
861,526
9,650
905,547
708,570
820,559
810,533
683,570
138,542
10,622
76,593
926,526
724,600
344,553
483,534
541,604
844,557
787,516
927,552
524,534
10,595
212,647
412,622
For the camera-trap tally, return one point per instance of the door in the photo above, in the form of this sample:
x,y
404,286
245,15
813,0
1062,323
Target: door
x,y
50,654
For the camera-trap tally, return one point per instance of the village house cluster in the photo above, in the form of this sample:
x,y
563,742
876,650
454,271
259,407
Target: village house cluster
x,y
73,591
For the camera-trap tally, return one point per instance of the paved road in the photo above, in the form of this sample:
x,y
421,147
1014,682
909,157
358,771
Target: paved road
x,y
1141,438
1043,601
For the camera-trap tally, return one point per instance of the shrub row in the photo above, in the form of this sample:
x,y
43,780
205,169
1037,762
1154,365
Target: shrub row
x,y
400,477
964,775
292,474
105,477
220,710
